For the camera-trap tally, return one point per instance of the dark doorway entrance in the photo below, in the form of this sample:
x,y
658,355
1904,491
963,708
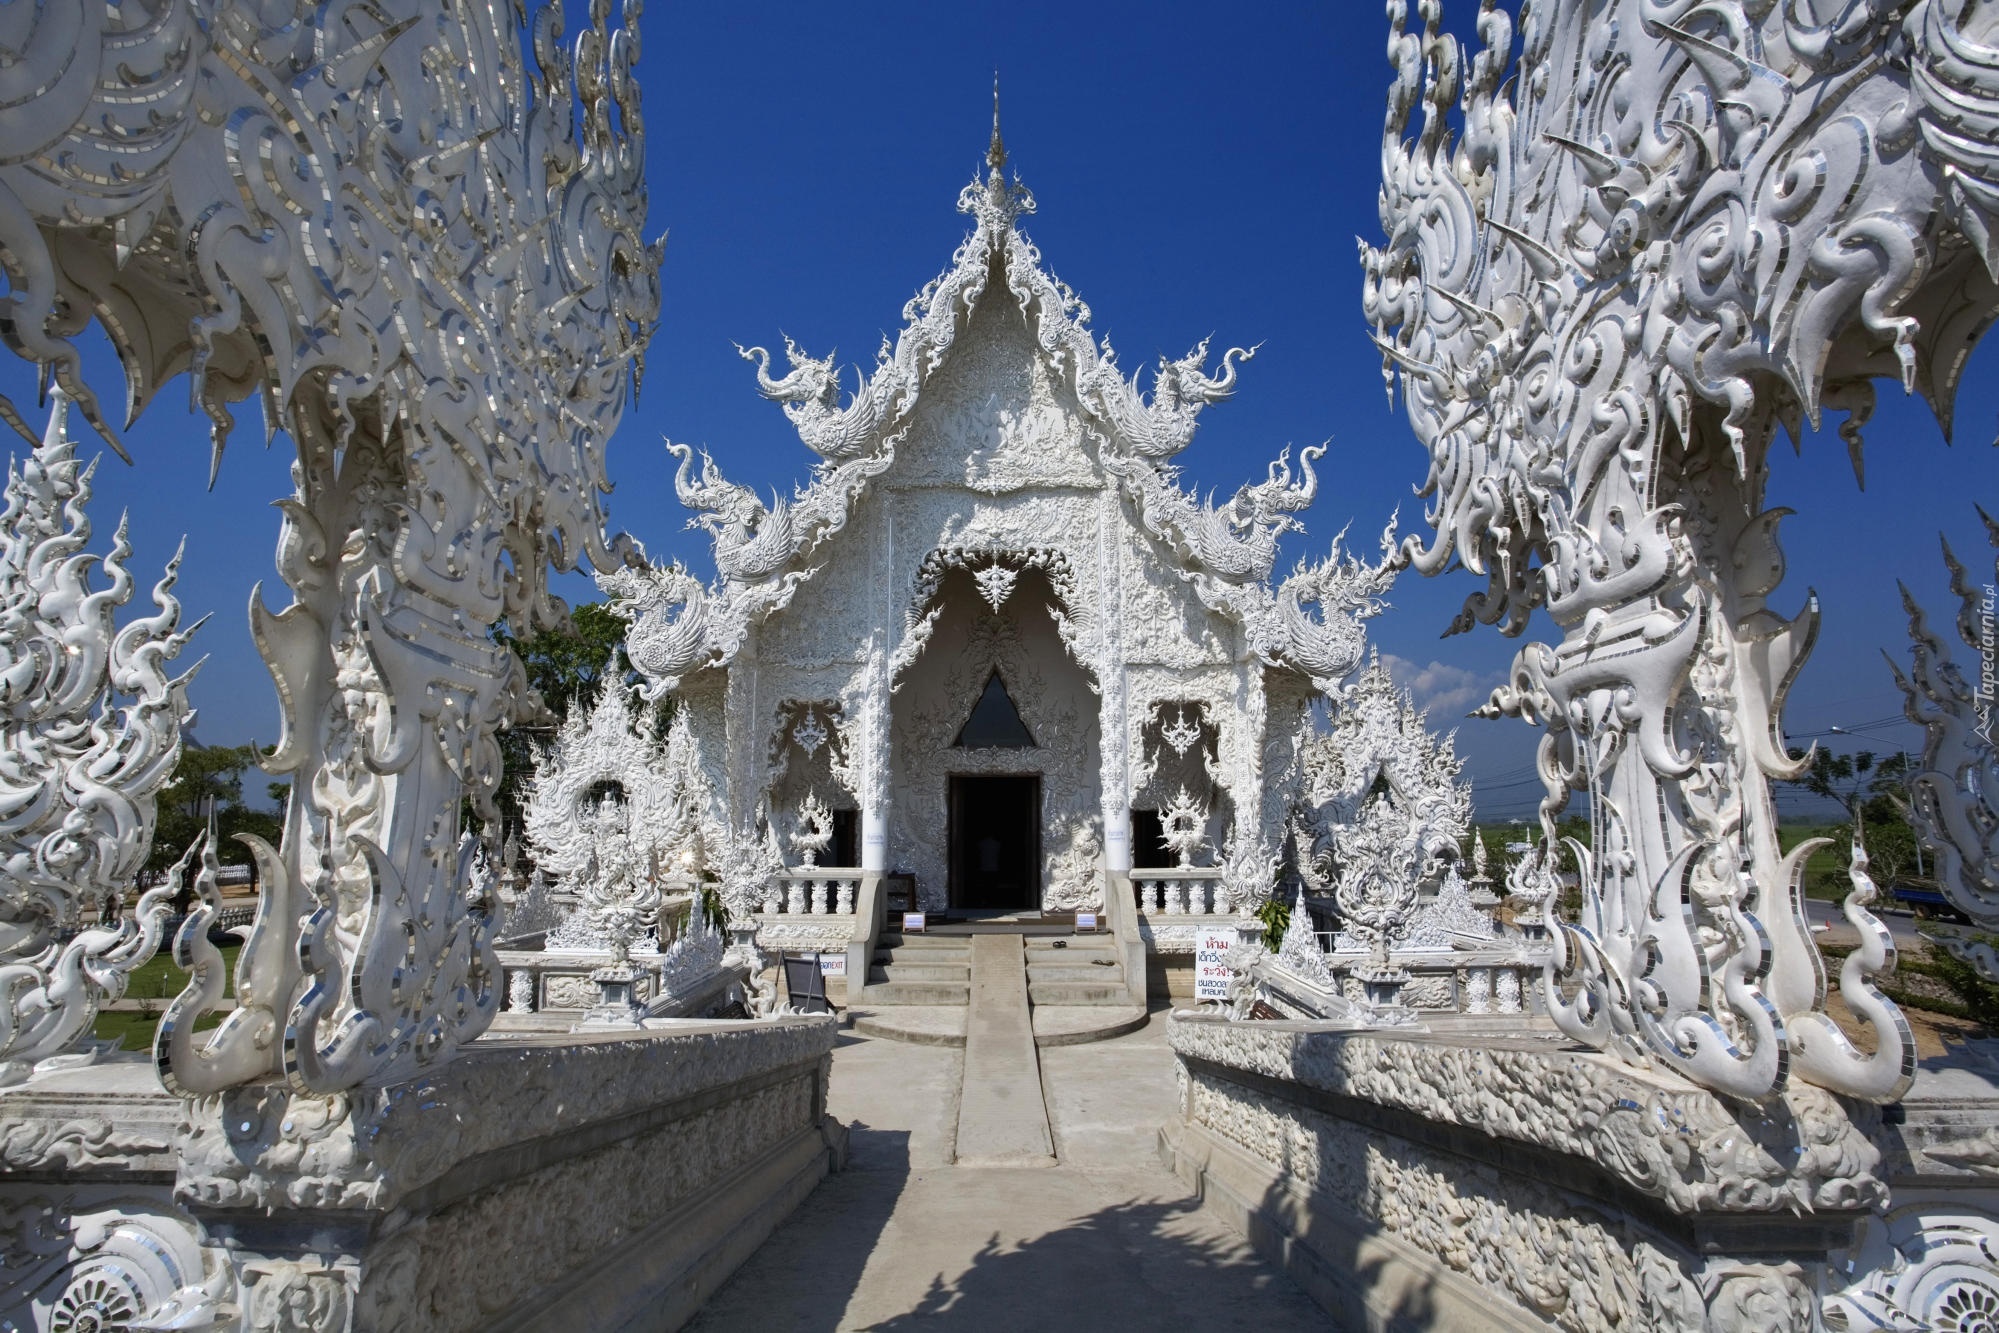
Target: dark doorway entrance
x,y
996,843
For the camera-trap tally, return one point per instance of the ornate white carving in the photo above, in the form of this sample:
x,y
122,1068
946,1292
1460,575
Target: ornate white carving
x,y
748,865
621,896
79,775
1299,952
809,733
1668,231
1383,809
1449,918
1180,733
814,833
1075,872
418,242
82,1258
1955,793
1929,1262
995,583
661,789
1183,823
693,958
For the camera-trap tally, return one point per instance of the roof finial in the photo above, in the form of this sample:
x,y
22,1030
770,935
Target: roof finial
x,y
996,154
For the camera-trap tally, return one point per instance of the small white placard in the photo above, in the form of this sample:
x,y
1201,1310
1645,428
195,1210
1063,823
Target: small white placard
x,y
832,964
912,923
1086,923
1211,974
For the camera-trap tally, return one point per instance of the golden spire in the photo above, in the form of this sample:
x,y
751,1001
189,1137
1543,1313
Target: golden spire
x,y
996,153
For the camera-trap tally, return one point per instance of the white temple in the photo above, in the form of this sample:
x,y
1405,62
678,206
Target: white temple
x,y
992,653
993,633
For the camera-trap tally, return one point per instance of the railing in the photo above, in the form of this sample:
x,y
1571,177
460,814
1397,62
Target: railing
x,y
869,916
814,890
1195,891
1121,919
1499,979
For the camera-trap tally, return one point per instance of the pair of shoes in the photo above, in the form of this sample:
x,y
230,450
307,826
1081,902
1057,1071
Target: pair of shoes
x,y
1061,944
1102,962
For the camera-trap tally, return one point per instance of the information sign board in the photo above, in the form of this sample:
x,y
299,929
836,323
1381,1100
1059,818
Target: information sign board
x,y
1211,974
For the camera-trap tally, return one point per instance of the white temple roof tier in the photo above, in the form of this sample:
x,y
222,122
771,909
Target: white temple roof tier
x,y
1127,439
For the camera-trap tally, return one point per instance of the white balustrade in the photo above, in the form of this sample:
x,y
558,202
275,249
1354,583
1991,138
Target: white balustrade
x,y
1196,892
813,890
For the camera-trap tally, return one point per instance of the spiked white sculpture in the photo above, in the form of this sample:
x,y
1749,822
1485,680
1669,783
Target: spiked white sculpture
x,y
1955,791
814,833
80,771
1381,808
1672,229
412,231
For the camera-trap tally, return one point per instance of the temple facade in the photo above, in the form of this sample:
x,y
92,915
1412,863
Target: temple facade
x,y
993,634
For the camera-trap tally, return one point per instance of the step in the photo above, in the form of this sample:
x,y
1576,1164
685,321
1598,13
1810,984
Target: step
x,y
1076,1024
1076,992
900,971
916,992
1089,976
920,1025
926,943
1041,950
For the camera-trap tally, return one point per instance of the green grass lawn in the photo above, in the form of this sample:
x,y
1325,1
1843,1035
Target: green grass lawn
x,y
158,980
134,1030
1825,872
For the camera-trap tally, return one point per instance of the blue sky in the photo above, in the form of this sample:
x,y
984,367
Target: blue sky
x,y
1199,170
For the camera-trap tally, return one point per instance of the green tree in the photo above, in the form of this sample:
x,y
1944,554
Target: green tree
x,y
1853,781
1870,789
205,774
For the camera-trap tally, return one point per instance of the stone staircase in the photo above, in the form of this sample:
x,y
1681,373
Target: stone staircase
x,y
919,986
1078,969
920,969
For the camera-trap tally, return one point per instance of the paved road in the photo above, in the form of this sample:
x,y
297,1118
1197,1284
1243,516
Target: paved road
x,y
1105,1239
1901,925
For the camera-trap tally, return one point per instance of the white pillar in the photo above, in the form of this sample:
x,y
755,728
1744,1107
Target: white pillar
x,y
874,841
1117,840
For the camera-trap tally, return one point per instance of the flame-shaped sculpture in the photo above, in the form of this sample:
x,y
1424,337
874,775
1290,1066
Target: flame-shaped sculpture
x,y
80,772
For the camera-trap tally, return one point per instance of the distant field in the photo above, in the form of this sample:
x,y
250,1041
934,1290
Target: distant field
x,y
1825,873
153,985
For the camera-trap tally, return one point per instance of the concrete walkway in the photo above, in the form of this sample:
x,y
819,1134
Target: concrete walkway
x,y
1001,1119
1105,1240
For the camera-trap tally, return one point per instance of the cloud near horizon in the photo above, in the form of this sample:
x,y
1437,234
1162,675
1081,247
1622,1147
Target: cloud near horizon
x,y
1448,692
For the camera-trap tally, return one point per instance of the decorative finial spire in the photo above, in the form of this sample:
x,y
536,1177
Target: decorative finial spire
x,y
996,153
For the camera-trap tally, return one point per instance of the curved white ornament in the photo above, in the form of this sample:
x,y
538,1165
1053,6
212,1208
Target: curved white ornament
x,y
1669,230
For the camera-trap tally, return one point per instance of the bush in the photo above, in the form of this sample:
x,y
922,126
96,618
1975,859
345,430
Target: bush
x,y
1275,914
1979,997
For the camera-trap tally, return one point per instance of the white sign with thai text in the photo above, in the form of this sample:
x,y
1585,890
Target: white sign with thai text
x,y
1211,974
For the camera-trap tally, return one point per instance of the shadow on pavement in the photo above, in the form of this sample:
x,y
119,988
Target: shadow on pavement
x,y
805,1275
1123,1267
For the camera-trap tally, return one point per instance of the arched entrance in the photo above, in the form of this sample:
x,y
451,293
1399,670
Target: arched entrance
x,y
994,750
